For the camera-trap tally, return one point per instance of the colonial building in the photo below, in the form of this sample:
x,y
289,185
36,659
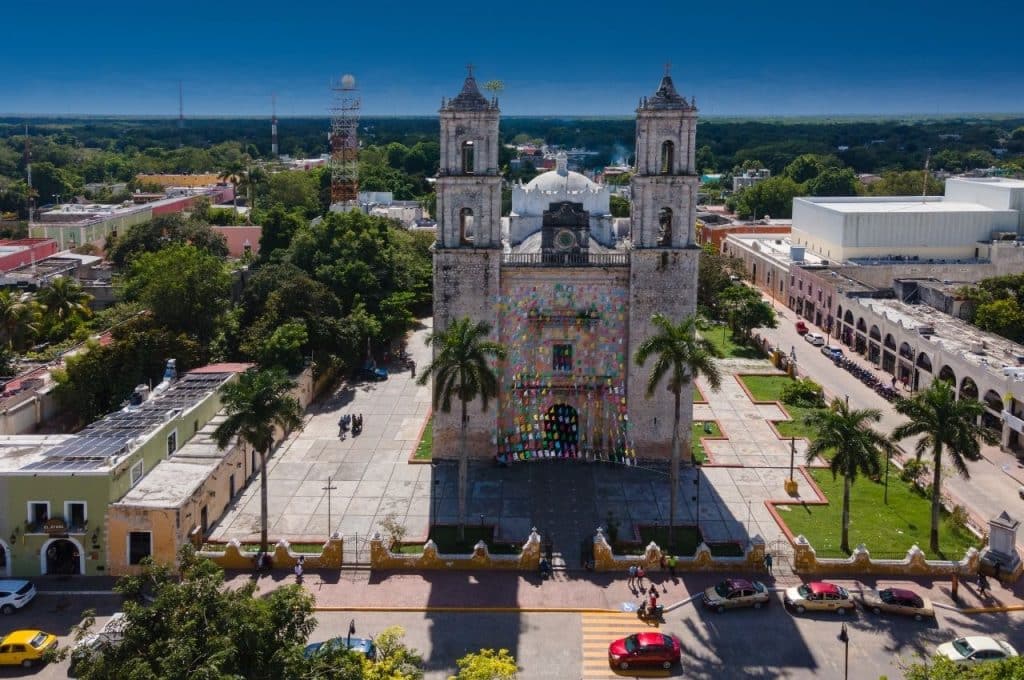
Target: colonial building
x,y
569,301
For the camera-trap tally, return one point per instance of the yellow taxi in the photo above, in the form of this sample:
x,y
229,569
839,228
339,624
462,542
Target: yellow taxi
x,y
25,647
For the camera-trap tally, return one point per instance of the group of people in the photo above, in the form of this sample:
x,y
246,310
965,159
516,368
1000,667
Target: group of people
x,y
356,422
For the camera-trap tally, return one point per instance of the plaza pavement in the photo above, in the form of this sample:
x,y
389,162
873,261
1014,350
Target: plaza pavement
x,y
371,477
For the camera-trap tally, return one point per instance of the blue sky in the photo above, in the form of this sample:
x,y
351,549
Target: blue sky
x,y
581,58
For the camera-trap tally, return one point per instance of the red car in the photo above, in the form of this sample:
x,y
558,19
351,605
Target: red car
x,y
644,649
801,327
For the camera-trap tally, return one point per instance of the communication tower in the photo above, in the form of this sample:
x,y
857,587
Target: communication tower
x,y
344,140
273,126
181,106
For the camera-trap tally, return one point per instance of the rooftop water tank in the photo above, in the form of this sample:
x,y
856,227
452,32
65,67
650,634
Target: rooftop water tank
x,y
796,253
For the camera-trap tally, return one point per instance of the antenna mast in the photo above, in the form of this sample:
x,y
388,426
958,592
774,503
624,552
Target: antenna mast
x,y
28,173
273,126
181,106
924,179
344,140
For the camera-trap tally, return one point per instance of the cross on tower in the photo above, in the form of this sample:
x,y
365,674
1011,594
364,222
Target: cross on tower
x,y
668,68
469,68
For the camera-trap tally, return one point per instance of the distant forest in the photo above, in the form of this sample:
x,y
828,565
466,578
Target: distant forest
x,y
865,145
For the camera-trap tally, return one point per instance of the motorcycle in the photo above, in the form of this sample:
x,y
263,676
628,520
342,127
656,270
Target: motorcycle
x,y
655,613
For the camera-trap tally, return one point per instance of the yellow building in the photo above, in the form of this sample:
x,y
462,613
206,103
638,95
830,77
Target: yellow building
x,y
164,180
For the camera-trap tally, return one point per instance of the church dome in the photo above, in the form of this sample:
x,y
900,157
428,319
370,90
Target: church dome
x,y
561,180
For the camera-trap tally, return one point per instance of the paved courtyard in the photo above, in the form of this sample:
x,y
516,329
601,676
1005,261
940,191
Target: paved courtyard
x,y
371,477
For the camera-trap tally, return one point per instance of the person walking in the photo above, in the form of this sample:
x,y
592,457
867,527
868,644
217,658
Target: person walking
x,y
631,581
412,367
954,587
982,585
640,577
298,568
672,561
768,563
998,567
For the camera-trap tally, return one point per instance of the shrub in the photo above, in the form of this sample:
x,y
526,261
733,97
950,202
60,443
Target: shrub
x,y
913,470
394,529
803,392
957,519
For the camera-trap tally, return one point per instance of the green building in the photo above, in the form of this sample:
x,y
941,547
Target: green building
x,y
55,489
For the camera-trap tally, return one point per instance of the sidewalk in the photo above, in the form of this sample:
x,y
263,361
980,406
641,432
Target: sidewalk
x,y
578,591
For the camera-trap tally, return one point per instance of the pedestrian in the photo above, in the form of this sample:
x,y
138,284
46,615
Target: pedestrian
x,y
640,576
998,567
632,576
768,563
298,568
954,587
982,585
894,380
412,367
672,561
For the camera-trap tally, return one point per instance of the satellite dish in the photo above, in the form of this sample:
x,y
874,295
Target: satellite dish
x,y
348,81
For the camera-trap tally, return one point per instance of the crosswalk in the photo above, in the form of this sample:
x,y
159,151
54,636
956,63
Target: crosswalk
x,y
599,629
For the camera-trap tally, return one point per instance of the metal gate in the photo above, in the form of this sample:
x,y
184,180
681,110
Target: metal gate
x,y
356,550
781,551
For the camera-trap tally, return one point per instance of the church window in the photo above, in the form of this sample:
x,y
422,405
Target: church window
x,y
668,152
665,227
466,225
467,158
561,359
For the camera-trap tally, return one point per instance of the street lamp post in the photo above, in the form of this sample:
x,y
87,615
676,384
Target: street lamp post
x,y
329,488
696,467
792,456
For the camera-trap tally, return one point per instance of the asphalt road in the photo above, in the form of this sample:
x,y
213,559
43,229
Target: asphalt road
x,y
766,643
1000,490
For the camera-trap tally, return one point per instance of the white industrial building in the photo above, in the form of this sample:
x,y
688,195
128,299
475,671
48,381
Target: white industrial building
x,y
948,227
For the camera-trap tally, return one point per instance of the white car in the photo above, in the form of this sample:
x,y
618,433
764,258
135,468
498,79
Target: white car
x,y
15,594
975,648
816,339
111,634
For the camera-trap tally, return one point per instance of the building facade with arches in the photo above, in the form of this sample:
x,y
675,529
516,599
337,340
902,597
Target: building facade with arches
x,y
569,301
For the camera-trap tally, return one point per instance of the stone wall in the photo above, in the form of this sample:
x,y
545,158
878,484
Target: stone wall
x,y
702,560
806,561
233,557
381,557
661,281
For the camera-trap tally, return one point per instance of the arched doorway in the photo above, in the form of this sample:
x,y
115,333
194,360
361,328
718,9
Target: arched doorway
x,y
561,434
62,556
5,559
946,373
993,418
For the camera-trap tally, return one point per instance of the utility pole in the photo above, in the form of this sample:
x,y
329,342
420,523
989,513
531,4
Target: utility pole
x,y
329,488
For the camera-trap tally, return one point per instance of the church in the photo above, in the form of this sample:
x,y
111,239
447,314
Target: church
x,y
568,298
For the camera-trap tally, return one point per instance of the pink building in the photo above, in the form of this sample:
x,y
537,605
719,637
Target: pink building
x,y
20,252
241,239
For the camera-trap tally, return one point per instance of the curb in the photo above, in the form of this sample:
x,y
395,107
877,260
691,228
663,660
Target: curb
x,y
76,592
992,610
474,610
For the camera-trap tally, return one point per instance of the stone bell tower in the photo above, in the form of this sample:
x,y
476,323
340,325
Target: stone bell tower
x,y
664,256
467,253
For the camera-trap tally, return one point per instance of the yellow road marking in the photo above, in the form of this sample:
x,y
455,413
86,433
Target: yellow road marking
x,y
599,629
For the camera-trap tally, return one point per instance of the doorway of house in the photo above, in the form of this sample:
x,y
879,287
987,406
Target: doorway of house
x,y
63,557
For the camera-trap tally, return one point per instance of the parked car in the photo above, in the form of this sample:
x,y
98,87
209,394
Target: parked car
x,y
110,635
644,649
897,601
15,594
816,339
364,646
736,592
801,327
832,352
373,374
819,596
974,649
25,647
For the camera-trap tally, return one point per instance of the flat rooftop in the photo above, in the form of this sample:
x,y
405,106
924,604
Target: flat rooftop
x,y
895,204
955,336
1008,182
17,451
169,484
776,248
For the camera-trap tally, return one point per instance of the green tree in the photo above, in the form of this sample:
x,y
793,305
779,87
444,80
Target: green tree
x,y
19,320
279,226
487,664
774,196
255,405
64,306
284,347
163,231
714,275
192,626
940,668
681,355
619,205
394,660
294,189
187,289
1003,317
854,446
907,183
461,370
745,310
944,425
834,182
52,182
233,172
807,166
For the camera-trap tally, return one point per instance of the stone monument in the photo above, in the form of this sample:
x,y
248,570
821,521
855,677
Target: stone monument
x,y
1002,548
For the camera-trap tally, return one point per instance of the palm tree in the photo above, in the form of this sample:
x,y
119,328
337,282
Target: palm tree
x,y
461,370
945,424
255,404
64,298
18,320
855,448
234,172
682,355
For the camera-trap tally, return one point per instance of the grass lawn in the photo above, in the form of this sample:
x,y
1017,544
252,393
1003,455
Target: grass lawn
x,y
888,531
425,449
687,540
721,338
698,431
769,388
446,538
307,548
698,398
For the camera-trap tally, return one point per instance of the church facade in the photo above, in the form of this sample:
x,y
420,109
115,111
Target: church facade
x,y
569,301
